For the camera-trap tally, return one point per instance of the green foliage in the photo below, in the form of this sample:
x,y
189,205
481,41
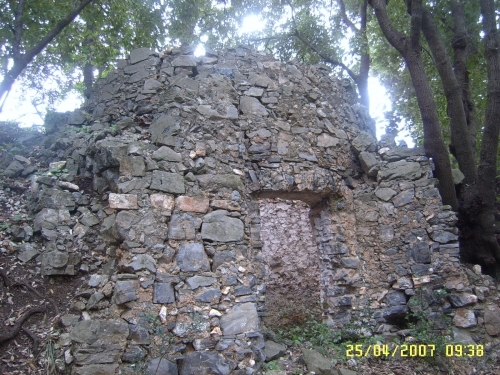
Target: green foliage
x,y
270,366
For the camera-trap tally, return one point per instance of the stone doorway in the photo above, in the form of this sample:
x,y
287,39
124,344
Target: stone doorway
x,y
291,261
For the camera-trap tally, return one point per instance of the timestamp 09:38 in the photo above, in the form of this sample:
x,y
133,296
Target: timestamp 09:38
x,y
413,350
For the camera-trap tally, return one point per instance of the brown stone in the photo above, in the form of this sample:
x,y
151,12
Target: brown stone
x,y
123,201
492,321
192,204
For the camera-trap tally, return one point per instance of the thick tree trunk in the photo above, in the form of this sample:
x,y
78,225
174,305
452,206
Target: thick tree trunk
x,y
460,44
460,144
22,61
484,230
410,50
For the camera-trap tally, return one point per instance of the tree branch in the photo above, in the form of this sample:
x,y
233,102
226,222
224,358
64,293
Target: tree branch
x,y
21,62
346,19
18,29
393,36
325,58
415,22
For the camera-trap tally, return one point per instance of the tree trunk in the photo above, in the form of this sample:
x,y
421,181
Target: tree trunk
x,y
460,51
88,80
483,230
410,50
460,144
364,66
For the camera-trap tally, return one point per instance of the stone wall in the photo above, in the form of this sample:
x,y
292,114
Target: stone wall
x,y
162,191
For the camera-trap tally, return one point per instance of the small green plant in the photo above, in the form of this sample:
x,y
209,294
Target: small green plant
x,y
5,225
273,365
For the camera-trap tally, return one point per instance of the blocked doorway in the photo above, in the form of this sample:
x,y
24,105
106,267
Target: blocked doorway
x,y
291,260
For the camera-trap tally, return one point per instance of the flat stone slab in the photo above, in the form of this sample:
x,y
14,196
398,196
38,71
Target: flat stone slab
x,y
207,363
123,201
221,228
241,318
192,258
168,182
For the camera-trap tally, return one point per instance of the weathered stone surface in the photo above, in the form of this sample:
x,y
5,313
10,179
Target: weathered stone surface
x,y
462,300
133,166
139,54
317,363
163,293
183,227
240,319
214,182
385,193
164,129
207,363
162,201
251,106
76,118
208,296
273,350
218,227
56,199
161,366
59,263
123,201
401,170
124,292
192,204
369,163
27,252
197,281
421,252
143,262
464,318
100,332
192,258
403,198
50,218
442,236
101,369
14,169
167,154
168,182
325,140
395,298
183,60
364,142
492,321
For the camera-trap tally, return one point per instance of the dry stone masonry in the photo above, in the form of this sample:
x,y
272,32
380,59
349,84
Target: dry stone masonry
x,y
196,194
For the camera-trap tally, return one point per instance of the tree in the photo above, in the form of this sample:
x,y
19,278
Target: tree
x,y
476,201
23,45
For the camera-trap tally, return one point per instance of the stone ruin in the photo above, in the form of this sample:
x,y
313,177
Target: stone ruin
x,y
206,199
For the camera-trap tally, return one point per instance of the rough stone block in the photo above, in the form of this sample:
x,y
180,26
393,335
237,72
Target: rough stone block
x,y
163,293
192,258
241,318
123,201
168,182
192,204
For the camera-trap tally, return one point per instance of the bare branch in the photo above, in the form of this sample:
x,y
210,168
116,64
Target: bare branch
x,y
18,29
393,36
346,19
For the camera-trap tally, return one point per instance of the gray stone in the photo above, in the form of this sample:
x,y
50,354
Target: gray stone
x,y
350,262
161,366
241,318
207,363
143,262
395,298
138,335
214,182
369,163
164,129
385,193
139,76
260,80
242,290
209,296
56,199
133,354
27,252
152,85
76,118
197,281
462,336
123,201
183,227
14,169
124,292
442,236
401,170
58,263
183,60
492,321
421,252
344,371
100,369
325,140
251,106
100,332
140,54
404,198
192,258
364,142
49,218
94,300
221,228
167,154
273,350
399,153
163,293
133,166
462,299
168,182
317,363
395,312
88,218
